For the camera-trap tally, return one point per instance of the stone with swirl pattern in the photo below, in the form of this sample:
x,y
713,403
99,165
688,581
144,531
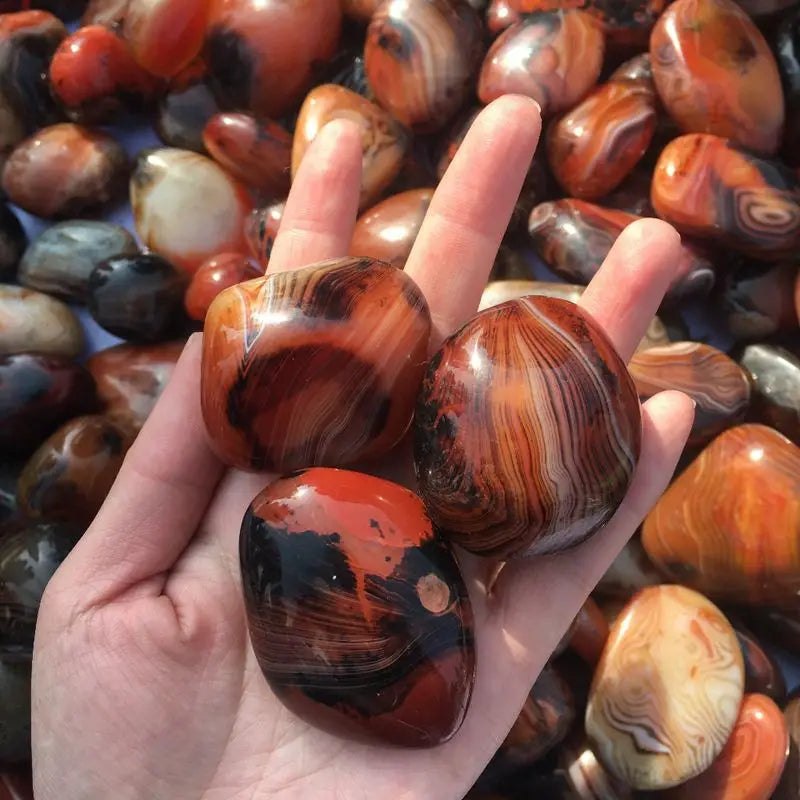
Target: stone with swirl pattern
x,y
709,187
421,57
318,367
586,777
751,763
593,147
215,275
666,693
575,236
729,526
358,614
527,430
260,229
554,57
715,73
384,142
717,384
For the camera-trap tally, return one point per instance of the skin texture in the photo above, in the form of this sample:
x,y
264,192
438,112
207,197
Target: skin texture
x,y
153,589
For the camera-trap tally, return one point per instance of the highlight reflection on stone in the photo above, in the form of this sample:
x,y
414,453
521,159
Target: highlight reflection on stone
x,y
666,694
358,615
534,388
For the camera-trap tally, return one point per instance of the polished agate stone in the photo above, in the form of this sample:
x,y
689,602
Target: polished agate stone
x,y
421,57
716,74
130,378
709,187
742,547
185,109
387,231
630,571
38,393
345,341
597,143
775,377
543,723
187,208
534,388
786,44
94,76
261,53
138,297
762,674
258,153
638,69
553,57
752,761
65,170
29,556
789,786
34,321
215,275
60,260
358,615
165,35
260,229
588,633
70,474
666,694
574,237
632,195
586,777
28,40
383,141
757,300
15,721
13,241
501,15
718,385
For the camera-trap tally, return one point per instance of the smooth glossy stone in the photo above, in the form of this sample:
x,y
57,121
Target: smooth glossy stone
x,y
743,546
130,378
65,170
540,373
15,721
638,69
29,556
586,776
574,237
265,355
139,297
708,187
630,571
388,230
553,57
421,58
632,195
185,109
757,300
165,35
257,153
752,761
761,673
94,76
261,228
719,387
588,632
787,49
595,145
543,723
215,275
775,377
34,321
37,394
261,53
383,141
187,208
666,694
28,40
500,15
716,74
13,241
358,614
110,13
69,476
789,786
61,259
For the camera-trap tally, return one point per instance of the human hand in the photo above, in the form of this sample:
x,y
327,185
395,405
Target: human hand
x,y
144,681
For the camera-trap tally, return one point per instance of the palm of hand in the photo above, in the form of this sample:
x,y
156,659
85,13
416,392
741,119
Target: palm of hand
x,y
145,684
